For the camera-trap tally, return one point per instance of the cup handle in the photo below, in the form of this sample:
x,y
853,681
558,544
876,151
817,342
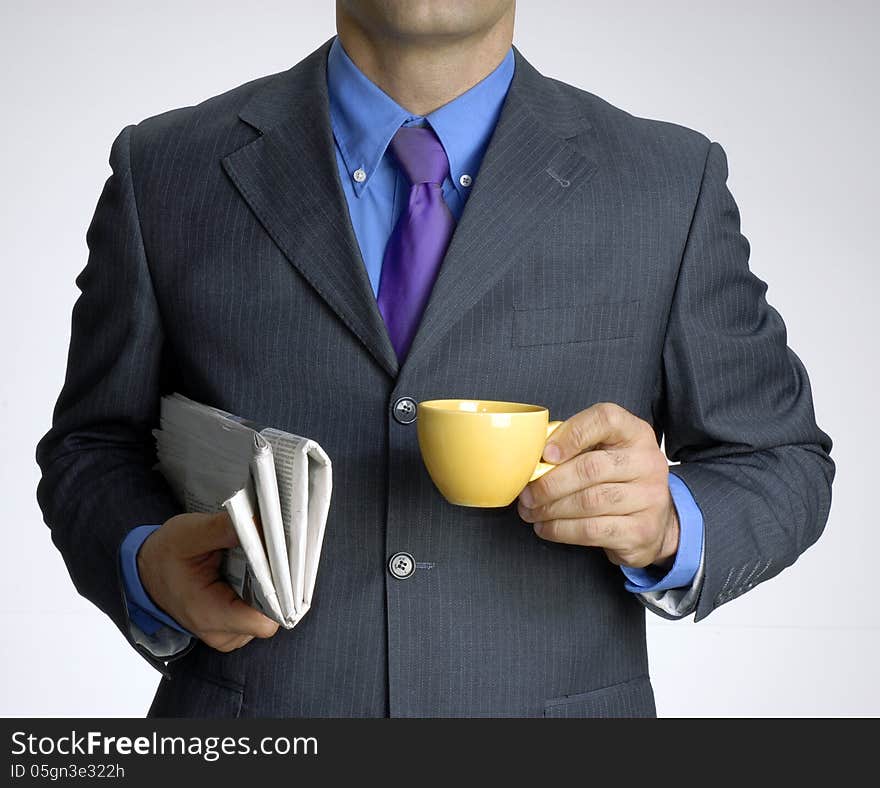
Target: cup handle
x,y
542,467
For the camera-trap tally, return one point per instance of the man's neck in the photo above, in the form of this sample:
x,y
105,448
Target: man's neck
x,y
423,75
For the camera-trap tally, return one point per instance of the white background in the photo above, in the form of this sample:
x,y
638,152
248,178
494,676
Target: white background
x,y
788,88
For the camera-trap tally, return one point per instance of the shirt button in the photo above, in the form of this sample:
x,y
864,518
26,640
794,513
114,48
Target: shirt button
x,y
402,565
359,175
405,410
465,180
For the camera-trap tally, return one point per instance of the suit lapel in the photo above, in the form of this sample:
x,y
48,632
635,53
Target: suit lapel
x,y
289,178
538,156
530,168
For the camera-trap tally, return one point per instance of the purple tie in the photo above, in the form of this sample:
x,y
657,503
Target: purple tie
x,y
420,237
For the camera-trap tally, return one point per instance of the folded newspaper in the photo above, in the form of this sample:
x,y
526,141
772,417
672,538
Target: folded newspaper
x,y
276,487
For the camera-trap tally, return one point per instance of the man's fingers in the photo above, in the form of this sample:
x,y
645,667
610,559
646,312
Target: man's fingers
x,y
618,498
623,537
600,466
198,534
602,424
225,642
608,531
220,609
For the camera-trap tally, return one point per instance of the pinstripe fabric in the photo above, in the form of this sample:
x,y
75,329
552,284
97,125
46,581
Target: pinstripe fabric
x,y
599,258
627,699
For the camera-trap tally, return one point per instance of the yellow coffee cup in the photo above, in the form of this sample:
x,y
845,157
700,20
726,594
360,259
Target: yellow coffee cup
x,y
483,452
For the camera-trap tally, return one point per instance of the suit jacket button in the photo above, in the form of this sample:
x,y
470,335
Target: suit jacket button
x,y
405,410
402,565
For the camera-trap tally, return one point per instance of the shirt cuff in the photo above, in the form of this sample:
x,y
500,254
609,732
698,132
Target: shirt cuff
x,y
690,547
142,611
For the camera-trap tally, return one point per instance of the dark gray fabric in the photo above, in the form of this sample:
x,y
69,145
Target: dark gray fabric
x,y
599,258
628,699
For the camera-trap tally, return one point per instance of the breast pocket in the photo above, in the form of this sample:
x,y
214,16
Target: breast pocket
x,y
586,322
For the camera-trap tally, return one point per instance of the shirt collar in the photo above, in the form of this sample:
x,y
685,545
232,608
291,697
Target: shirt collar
x,y
364,118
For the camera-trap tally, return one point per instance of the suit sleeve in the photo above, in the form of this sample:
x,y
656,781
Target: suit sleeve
x,y
738,411
96,460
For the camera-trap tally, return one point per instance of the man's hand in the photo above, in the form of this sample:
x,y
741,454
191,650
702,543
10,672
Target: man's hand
x,y
179,566
610,489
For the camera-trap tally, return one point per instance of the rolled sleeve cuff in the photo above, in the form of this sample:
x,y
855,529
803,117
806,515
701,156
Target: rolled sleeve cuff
x,y
690,547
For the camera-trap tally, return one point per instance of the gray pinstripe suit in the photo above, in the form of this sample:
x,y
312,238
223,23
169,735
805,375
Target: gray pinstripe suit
x,y
599,258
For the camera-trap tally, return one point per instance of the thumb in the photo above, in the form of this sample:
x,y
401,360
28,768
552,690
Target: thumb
x,y
603,423
197,534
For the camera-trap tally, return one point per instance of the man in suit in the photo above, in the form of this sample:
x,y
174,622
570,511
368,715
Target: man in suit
x,y
414,212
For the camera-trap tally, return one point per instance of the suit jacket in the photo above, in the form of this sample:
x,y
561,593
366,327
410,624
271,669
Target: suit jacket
x,y
599,258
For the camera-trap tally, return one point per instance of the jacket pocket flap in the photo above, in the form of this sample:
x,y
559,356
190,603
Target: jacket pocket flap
x,y
634,698
191,694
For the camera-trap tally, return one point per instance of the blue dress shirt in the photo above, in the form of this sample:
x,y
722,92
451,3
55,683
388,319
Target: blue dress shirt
x,y
364,119
142,611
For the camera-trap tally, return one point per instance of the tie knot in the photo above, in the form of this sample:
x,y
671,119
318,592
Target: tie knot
x,y
420,154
